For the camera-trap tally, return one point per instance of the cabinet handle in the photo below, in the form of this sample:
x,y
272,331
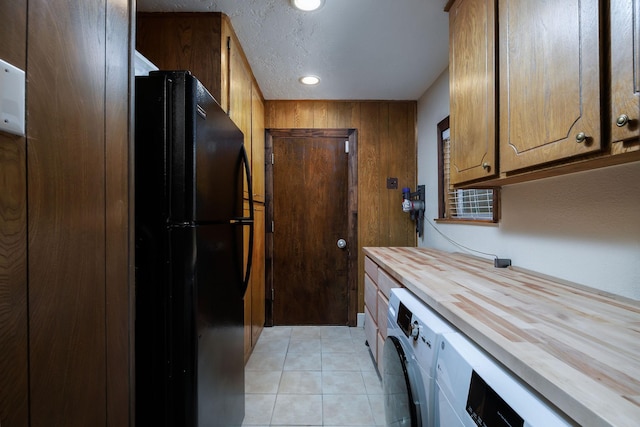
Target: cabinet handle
x,y
581,137
486,166
622,120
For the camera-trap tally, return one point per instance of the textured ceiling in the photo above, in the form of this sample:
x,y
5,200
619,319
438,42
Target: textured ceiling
x,y
360,49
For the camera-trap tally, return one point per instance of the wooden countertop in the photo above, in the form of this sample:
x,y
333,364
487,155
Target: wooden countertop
x,y
578,347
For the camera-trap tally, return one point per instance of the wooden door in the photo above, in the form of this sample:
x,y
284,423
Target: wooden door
x,y
310,214
625,70
472,90
549,81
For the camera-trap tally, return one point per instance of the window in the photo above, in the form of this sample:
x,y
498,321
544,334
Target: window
x,y
477,204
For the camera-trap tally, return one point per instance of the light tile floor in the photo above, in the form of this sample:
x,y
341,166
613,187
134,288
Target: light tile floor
x,y
312,376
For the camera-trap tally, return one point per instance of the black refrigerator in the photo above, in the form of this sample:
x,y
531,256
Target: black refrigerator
x,y
191,272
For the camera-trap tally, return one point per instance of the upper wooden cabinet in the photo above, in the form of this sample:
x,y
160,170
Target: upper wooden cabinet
x,y
549,81
625,70
472,90
567,74
206,45
188,41
240,84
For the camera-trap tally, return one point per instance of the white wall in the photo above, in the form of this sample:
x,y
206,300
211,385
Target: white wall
x,y
583,227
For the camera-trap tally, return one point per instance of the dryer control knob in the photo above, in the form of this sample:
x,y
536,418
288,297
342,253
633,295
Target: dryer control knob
x,y
415,330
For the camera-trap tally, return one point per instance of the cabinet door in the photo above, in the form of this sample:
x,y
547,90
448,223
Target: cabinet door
x,y
186,41
258,276
549,81
248,293
625,75
472,90
257,145
240,96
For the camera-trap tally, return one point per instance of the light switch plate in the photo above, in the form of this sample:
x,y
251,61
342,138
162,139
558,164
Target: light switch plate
x,y
12,98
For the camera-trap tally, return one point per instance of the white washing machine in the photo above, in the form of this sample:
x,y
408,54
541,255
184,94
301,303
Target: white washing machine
x,y
409,356
473,390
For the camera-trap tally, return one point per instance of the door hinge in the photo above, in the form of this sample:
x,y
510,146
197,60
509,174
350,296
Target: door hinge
x,y
273,294
273,226
346,147
273,159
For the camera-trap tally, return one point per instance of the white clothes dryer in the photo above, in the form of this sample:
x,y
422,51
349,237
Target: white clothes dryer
x,y
474,390
409,355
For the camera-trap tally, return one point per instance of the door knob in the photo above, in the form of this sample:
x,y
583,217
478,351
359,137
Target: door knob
x,y
622,120
342,243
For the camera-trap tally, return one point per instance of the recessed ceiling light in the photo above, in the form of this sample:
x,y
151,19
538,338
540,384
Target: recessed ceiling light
x,y
307,5
309,80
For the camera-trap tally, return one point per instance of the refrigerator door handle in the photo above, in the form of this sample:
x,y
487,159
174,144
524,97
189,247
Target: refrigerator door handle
x,y
247,170
247,275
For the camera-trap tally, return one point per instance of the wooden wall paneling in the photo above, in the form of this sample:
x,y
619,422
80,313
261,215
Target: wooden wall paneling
x,y
343,115
389,151
274,115
13,33
13,282
320,116
303,114
369,171
279,113
412,163
119,236
14,380
66,222
272,110
335,116
403,166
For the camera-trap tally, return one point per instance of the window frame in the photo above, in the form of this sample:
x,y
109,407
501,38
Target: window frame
x,y
444,214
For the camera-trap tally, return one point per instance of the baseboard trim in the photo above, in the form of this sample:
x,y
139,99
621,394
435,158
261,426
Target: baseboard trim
x,y
360,320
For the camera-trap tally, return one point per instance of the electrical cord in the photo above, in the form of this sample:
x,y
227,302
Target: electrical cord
x,y
453,242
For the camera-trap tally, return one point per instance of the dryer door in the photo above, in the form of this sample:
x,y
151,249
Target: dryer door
x,y
404,398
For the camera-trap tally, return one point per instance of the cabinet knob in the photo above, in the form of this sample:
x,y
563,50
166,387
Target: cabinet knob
x,y
581,137
622,120
486,166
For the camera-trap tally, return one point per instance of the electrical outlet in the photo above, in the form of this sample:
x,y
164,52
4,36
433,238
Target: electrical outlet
x,y
392,183
12,98
502,262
